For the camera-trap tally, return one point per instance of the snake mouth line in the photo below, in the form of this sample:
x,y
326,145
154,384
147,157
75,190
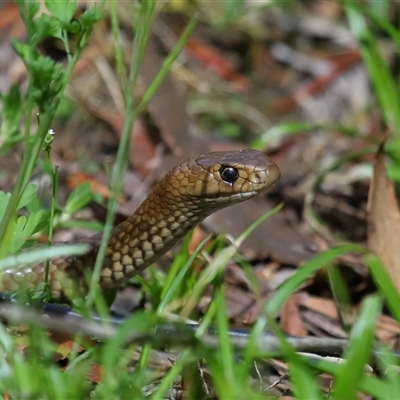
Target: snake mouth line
x,y
236,197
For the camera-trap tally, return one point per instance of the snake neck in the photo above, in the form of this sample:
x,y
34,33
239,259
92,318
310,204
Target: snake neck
x,y
161,221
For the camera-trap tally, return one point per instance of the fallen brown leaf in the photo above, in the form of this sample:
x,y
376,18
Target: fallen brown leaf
x,y
211,57
291,321
96,373
77,179
384,219
65,348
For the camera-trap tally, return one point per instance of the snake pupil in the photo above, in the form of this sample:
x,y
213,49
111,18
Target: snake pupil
x,y
229,174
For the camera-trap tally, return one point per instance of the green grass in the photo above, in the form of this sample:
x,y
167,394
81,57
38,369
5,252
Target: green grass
x,y
33,373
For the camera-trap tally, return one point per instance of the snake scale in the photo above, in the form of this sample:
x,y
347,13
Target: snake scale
x,y
186,195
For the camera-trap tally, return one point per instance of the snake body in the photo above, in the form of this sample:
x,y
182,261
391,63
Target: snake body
x,y
183,198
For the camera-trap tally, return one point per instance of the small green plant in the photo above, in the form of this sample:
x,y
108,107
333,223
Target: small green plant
x,y
24,226
47,82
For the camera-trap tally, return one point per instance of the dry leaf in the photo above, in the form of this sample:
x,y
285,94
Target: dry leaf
x,y
291,321
96,373
384,220
211,57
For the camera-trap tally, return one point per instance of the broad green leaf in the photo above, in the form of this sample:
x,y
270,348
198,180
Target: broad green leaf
x,y
43,28
28,195
63,10
25,228
28,10
79,198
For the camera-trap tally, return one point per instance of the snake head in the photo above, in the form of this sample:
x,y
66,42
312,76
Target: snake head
x,y
224,178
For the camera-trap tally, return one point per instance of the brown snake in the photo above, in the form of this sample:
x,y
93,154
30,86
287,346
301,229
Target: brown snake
x,y
183,198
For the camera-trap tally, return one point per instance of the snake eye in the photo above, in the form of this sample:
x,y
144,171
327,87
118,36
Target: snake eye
x,y
229,174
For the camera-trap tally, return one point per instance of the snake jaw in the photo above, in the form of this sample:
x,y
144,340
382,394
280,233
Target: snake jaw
x,y
222,202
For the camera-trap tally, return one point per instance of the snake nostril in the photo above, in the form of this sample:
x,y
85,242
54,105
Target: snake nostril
x,y
229,174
